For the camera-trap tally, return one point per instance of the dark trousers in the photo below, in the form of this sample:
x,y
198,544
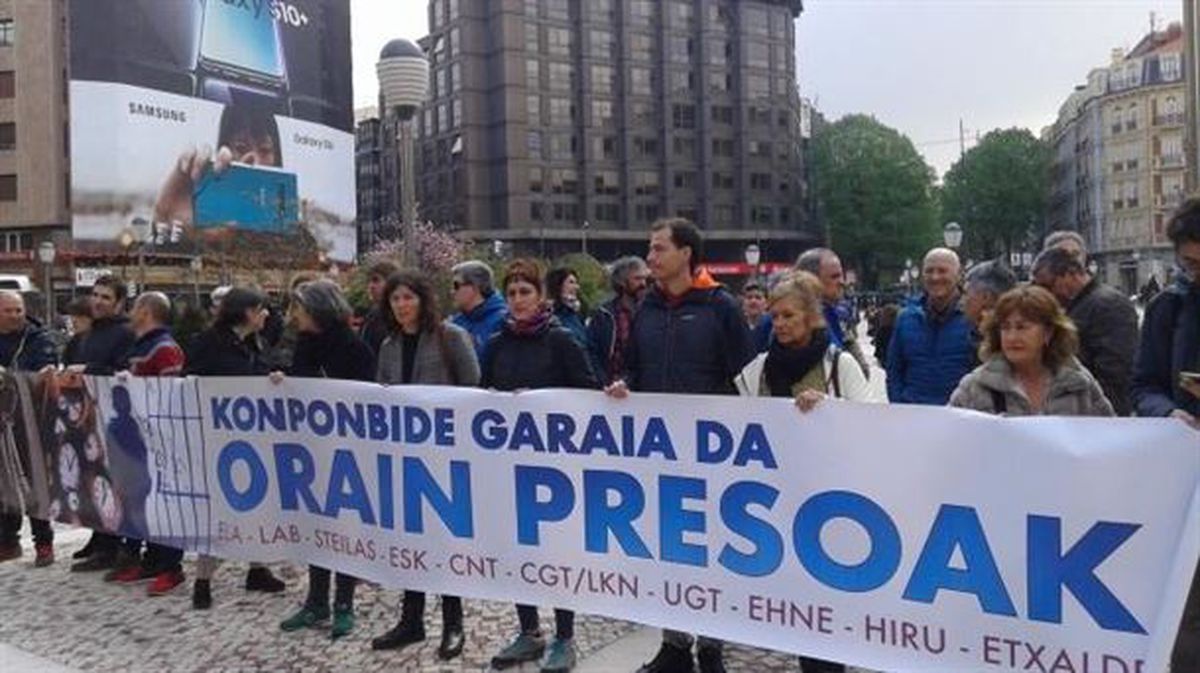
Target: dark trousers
x,y
103,543
318,590
564,621
160,559
810,665
10,530
1186,656
413,610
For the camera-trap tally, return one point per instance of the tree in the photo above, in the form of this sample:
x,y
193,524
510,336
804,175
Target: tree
x,y
434,250
875,194
998,192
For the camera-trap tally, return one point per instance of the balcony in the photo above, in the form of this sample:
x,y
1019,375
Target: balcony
x,y
1170,119
1169,161
1169,201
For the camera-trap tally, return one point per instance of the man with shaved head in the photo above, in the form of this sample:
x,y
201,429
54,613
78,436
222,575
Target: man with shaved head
x,y
24,347
932,347
154,353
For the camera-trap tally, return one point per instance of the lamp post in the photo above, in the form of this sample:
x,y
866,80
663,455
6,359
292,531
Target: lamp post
x,y
197,265
908,274
141,233
753,257
952,235
586,225
46,254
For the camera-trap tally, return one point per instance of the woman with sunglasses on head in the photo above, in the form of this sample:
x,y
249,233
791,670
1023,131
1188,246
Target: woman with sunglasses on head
x,y
231,348
421,349
326,348
533,351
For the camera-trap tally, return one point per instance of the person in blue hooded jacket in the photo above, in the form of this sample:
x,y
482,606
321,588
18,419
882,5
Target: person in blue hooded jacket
x,y
481,310
933,347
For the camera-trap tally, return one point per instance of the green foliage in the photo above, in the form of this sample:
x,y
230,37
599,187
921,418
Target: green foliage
x,y
998,192
876,194
593,281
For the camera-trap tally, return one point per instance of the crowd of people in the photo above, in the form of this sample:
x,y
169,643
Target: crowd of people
x,y
1062,344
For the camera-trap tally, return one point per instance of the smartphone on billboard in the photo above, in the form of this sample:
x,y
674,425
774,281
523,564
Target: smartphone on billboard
x,y
240,44
253,198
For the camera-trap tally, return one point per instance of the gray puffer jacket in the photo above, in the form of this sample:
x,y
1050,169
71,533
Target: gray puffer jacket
x,y
1073,392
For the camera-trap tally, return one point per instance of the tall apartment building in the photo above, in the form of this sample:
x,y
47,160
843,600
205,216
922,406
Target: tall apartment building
x,y
1126,127
556,124
1191,67
34,162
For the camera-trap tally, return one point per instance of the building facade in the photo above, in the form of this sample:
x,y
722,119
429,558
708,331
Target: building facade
x,y
559,124
34,162
1191,67
1120,165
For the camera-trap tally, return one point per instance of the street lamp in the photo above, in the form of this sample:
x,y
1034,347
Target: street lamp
x,y
197,265
908,274
753,257
952,234
46,254
141,232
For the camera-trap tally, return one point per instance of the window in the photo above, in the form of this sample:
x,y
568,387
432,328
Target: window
x,y
608,183
8,136
685,180
722,114
564,181
533,74
533,107
603,79
643,113
681,50
8,187
682,14
1131,118
533,43
562,146
642,10
722,147
8,84
755,21
566,212
558,41
535,181
604,147
722,180
685,147
758,55
562,77
531,8
608,212
455,77
7,33
719,82
760,182
557,10
536,212
1168,63
599,9
683,82
758,86
762,215
759,148
641,47
639,81
684,116
646,212
645,147
533,142
601,45
562,111
602,113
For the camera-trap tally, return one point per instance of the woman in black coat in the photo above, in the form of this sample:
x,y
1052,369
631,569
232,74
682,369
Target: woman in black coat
x,y
326,348
231,348
533,351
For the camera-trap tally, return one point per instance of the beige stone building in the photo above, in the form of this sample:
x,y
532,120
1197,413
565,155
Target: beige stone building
x,y
34,162
1191,36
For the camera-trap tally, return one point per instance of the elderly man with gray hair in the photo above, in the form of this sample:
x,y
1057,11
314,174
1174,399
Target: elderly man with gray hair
x,y
609,328
481,310
827,267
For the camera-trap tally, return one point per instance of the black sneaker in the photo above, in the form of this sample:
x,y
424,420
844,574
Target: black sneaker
x,y
201,595
87,549
711,660
670,659
525,648
95,562
401,635
261,579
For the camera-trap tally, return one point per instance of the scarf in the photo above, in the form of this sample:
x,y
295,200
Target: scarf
x,y
785,366
539,323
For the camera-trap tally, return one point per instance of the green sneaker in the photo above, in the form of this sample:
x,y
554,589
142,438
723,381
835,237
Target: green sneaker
x,y
343,623
526,647
560,657
306,618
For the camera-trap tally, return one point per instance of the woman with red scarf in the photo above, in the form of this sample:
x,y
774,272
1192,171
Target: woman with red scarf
x,y
533,351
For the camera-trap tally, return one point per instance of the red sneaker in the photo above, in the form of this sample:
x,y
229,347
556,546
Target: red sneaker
x,y
126,575
164,582
45,555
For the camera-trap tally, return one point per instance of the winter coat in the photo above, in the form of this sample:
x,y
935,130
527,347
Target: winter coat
x,y
155,353
445,360
928,356
217,351
1170,344
337,353
549,359
1072,392
483,322
28,350
572,321
374,330
695,345
851,385
104,347
1108,335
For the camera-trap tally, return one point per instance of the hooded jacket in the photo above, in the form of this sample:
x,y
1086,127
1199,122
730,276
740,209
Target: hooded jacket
x,y
483,322
1072,392
1170,344
696,344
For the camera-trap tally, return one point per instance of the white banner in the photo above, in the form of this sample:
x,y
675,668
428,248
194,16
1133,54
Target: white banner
x,y
896,538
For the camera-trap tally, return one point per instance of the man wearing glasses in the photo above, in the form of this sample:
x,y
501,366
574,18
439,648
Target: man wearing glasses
x,y
481,310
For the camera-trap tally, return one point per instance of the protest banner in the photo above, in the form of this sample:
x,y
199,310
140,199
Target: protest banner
x,y
892,537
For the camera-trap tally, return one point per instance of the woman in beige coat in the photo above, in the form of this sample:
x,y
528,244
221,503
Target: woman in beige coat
x,y
1029,366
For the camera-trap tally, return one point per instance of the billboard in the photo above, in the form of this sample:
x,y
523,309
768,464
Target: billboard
x,y
223,124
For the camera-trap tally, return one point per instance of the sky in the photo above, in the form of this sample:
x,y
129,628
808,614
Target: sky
x,y
917,65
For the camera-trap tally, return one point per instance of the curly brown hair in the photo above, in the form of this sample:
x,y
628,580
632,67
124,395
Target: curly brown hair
x,y
1038,305
524,269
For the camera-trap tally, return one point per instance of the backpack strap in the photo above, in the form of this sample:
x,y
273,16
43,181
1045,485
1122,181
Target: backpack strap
x,y
834,378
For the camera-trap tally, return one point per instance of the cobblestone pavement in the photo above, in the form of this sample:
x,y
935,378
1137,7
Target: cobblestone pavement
x,y
79,621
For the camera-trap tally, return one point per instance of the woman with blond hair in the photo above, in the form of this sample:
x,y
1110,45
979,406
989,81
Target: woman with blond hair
x,y
1029,365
